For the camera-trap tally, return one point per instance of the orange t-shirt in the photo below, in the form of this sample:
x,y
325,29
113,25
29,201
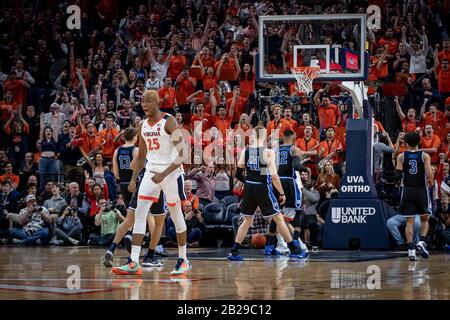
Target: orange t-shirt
x,y
208,61
247,87
329,115
91,143
383,72
392,44
443,80
281,125
193,199
170,102
206,125
289,58
293,123
209,82
239,107
223,124
110,146
228,71
185,89
443,54
176,64
401,149
327,148
409,125
6,109
436,123
431,142
311,145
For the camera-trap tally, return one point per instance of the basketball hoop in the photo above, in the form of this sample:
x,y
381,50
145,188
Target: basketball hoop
x,y
305,77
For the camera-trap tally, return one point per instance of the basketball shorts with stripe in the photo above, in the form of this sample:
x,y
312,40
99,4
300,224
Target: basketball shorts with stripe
x,y
157,209
172,186
415,201
259,195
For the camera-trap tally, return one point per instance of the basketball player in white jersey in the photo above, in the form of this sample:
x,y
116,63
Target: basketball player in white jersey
x,y
162,145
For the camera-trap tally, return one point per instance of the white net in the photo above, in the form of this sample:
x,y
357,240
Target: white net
x,y
305,77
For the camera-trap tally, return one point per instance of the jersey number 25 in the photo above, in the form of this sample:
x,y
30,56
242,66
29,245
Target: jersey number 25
x,y
153,144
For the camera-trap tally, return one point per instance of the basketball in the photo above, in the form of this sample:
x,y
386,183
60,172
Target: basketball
x,y
258,241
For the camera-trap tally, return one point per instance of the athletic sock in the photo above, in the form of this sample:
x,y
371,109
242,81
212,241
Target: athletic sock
x,y
135,252
302,245
410,246
422,238
296,235
270,240
113,247
281,241
182,252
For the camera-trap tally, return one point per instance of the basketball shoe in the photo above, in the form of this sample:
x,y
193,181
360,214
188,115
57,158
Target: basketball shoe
x,y
182,267
271,251
235,256
421,246
412,255
151,261
108,260
296,251
131,268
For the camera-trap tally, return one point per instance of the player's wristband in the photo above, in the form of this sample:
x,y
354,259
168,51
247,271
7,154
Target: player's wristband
x,y
282,195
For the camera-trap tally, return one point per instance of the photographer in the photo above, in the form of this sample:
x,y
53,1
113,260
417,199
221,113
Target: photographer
x,y
68,227
194,224
33,220
108,220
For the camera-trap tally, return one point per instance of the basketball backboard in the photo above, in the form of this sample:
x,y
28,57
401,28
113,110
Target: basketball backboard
x,y
334,42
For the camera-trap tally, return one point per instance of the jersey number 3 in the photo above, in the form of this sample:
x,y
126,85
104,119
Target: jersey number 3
x,y
412,166
153,144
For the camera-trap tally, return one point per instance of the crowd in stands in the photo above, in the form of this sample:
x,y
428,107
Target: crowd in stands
x,y
66,97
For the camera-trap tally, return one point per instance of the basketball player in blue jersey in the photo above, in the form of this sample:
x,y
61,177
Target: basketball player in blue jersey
x,y
122,158
289,162
121,167
415,168
259,162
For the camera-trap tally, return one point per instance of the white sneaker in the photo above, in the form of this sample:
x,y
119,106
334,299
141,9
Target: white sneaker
x,y
56,242
412,255
283,249
74,241
421,246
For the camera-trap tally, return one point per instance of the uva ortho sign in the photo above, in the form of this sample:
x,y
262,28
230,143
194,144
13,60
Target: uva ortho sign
x,y
355,184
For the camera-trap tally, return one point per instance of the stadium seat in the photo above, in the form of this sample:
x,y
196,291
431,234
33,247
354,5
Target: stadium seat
x,y
232,210
214,215
226,201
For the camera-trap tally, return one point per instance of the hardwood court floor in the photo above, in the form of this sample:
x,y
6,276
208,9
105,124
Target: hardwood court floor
x,y
50,273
